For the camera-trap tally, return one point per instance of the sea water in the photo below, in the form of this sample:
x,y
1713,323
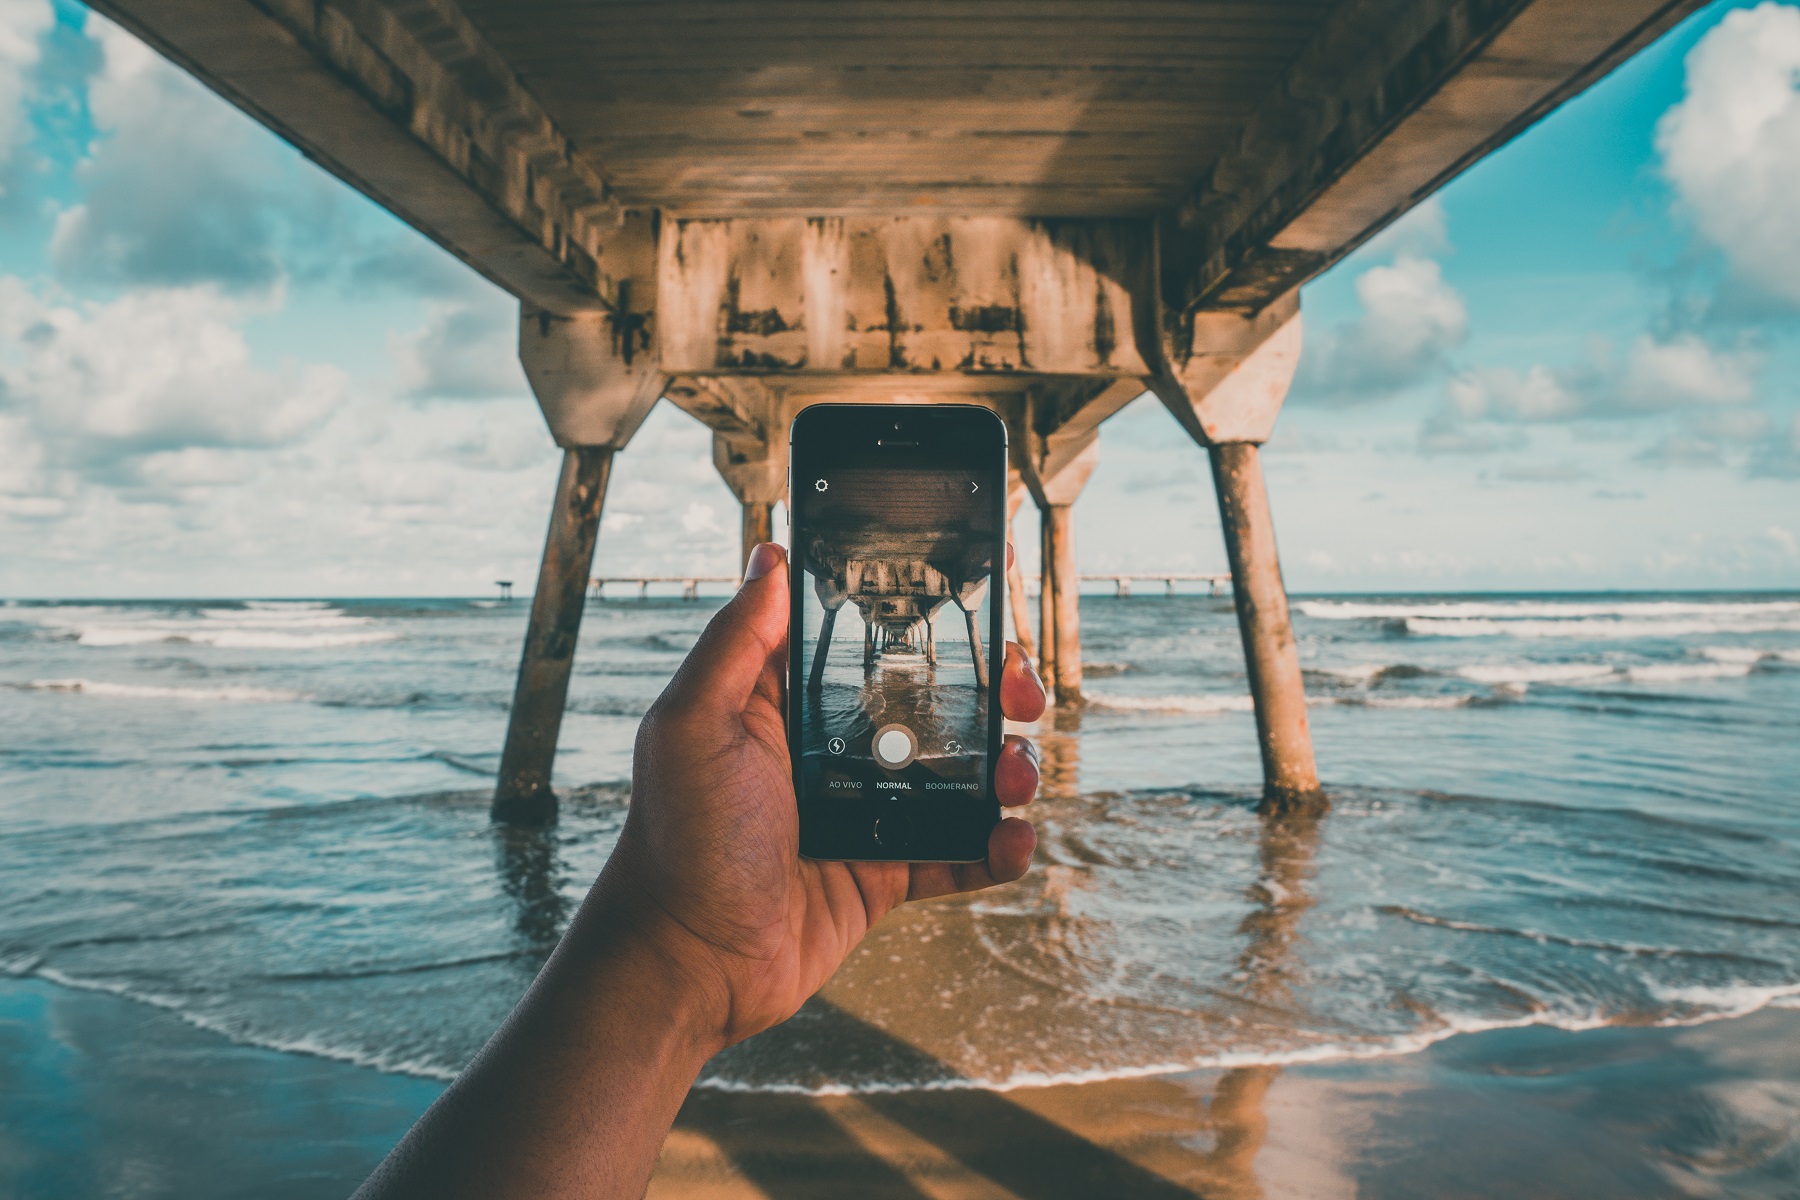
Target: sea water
x,y
269,818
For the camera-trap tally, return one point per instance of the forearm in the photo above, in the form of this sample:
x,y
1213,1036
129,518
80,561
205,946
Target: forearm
x,y
576,1092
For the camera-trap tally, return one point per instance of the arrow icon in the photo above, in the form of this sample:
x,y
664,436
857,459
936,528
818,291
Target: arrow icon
x,y
973,487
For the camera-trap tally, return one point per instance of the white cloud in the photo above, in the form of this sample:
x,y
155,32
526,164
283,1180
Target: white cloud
x,y
154,370
1410,315
1544,472
22,23
1445,432
1684,450
1423,232
1503,394
1411,320
1731,148
180,188
1779,456
468,349
1684,371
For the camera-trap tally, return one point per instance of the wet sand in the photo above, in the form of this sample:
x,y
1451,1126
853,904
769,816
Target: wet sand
x,y
104,1096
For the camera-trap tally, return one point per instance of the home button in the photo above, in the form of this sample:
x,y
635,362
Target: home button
x,y
893,830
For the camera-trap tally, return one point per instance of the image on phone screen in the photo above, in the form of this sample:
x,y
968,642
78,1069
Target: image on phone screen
x,y
899,555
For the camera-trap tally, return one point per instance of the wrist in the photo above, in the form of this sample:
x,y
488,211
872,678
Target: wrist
x,y
622,941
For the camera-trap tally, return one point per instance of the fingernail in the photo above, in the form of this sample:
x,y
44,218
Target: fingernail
x,y
762,561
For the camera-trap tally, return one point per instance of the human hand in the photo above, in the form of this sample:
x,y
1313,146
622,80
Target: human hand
x,y
708,866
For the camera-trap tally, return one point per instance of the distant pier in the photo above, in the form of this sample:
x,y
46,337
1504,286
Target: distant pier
x,y
1216,582
690,584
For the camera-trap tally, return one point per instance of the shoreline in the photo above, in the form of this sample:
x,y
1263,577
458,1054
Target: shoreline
x,y
107,1089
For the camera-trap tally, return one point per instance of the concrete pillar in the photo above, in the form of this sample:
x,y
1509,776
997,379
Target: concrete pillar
x,y
595,389
522,795
1271,658
832,598
753,461
1015,580
759,526
968,598
1226,387
816,677
1046,604
1055,470
1065,601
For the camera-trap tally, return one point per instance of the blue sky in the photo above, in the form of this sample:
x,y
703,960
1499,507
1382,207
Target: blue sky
x,y
224,373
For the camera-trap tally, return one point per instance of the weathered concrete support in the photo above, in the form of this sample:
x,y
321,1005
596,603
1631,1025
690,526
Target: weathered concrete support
x,y
522,795
966,295
1046,604
1226,385
1271,658
968,598
1065,600
1015,579
832,598
752,457
595,384
816,677
981,671
1055,469
759,526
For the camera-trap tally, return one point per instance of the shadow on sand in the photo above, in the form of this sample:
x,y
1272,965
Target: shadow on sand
x,y
1146,1139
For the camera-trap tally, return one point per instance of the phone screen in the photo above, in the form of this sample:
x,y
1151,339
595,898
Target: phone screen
x,y
899,561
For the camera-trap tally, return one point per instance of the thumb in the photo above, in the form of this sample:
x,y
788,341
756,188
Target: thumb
x,y
742,640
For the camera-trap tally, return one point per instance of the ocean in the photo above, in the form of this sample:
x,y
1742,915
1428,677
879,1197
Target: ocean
x,y
269,819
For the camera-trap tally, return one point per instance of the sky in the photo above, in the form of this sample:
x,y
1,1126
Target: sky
x,y
223,373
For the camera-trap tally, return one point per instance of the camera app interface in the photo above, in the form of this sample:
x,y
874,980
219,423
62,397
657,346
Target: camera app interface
x,y
897,613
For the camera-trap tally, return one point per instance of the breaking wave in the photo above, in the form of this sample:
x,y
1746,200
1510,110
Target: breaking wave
x,y
258,625
145,691
1200,705
1344,610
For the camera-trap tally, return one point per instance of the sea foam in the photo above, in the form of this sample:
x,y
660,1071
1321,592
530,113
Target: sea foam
x,y
146,691
259,625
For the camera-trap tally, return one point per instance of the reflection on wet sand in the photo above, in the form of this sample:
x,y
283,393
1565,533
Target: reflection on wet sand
x,y
531,877
1289,842
902,687
1155,1137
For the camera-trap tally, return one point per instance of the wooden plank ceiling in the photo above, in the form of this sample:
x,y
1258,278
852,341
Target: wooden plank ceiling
x,y
1049,108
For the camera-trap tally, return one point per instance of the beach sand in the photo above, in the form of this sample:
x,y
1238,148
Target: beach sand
x,y
105,1096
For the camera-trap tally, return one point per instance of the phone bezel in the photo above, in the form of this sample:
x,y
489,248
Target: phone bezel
x,y
947,828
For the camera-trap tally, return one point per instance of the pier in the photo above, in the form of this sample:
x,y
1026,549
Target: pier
x,y
1216,582
690,584
1050,211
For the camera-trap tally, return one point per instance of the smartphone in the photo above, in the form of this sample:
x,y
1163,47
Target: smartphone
x,y
896,643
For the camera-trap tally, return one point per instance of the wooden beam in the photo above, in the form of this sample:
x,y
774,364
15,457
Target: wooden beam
x,y
408,105
1392,100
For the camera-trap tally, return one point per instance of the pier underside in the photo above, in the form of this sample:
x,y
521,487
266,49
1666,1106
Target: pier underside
x,y
1046,207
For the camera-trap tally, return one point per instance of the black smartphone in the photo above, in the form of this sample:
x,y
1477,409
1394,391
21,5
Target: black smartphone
x,y
898,565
